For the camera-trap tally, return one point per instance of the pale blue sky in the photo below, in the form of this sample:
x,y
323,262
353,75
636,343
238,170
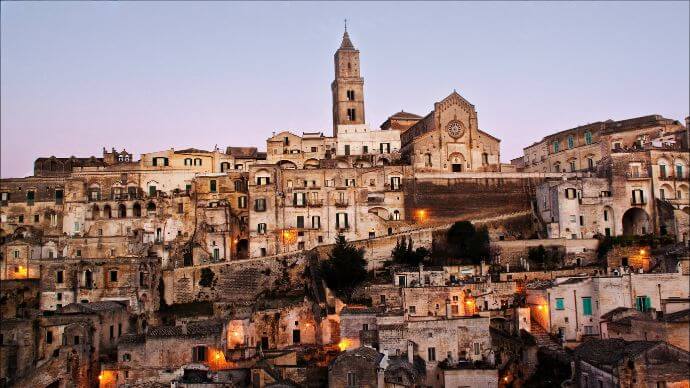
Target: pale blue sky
x,y
148,76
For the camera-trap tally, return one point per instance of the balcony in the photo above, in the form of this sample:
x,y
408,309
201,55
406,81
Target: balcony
x,y
342,203
672,177
315,203
637,175
299,204
638,201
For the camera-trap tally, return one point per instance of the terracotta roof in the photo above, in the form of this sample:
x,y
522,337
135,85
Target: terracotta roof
x,y
194,329
364,353
93,307
358,310
404,115
132,339
610,352
244,152
192,151
678,316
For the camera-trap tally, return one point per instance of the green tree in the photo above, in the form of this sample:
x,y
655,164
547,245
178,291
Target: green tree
x,y
345,268
468,243
404,252
546,258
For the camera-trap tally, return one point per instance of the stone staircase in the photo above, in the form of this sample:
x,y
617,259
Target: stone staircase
x,y
547,345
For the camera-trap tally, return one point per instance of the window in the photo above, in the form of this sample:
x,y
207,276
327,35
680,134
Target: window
x,y
351,114
476,348
316,222
188,161
59,296
299,199
485,158
341,221
112,331
152,191
261,228
213,186
180,207
78,252
59,195
349,183
606,215
586,305
262,252
126,357
199,353
590,163
385,148
113,276
556,146
662,170
589,330
588,137
351,379
382,299
643,303
351,95
582,220
431,353
662,194
570,193
396,215
679,171
300,221
347,149
197,162
365,150
49,337
260,204
216,253
572,166
559,304
60,277
36,218
571,142
263,180
242,202
365,327
413,310
395,183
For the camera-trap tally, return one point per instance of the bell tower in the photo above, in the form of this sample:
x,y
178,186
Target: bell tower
x,y
348,86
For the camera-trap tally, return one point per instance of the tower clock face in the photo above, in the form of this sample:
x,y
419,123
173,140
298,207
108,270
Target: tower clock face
x,y
455,129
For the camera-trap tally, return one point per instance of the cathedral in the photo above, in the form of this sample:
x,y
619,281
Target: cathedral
x,y
448,139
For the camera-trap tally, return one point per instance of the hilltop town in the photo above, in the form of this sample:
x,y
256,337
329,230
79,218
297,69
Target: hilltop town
x,y
409,255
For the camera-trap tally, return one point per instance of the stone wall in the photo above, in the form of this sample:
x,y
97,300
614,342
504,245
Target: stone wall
x,y
236,281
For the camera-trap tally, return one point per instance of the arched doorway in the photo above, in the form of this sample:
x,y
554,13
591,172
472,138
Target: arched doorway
x,y
457,162
242,248
636,222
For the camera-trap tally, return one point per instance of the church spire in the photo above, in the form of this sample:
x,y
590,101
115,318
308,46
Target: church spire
x,y
347,43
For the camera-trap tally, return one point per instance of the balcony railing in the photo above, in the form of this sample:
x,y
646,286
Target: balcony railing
x,y
315,203
638,201
672,177
342,203
637,175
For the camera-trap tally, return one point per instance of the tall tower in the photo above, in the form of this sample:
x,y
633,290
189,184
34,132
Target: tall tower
x,y
348,86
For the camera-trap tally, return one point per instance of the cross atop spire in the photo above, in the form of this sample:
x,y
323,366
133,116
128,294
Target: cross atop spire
x,y
347,43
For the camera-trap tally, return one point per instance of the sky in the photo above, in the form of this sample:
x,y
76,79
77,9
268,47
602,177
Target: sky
x,y
148,76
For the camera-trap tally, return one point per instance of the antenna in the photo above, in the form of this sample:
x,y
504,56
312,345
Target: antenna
x,y
346,25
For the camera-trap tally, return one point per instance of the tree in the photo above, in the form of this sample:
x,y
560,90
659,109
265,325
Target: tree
x,y
467,242
345,268
403,253
548,259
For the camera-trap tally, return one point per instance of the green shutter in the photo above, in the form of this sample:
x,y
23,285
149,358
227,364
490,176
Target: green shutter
x,y
587,306
559,304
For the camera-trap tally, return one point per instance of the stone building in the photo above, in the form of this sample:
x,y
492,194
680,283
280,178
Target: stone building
x,y
449,140
634,325
299,209
637,191
576,304
619,363
582,148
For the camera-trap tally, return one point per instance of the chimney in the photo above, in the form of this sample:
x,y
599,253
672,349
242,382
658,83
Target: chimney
x,y
410,352
448,313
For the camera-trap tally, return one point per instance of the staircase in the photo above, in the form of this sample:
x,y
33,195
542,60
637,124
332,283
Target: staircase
x,y
546,344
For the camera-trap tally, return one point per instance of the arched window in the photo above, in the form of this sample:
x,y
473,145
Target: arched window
x,y
197,161
225,166
122,211
95,212
107,212
136,210
396,215
188,161
588,137
571,142
556,146
151,207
